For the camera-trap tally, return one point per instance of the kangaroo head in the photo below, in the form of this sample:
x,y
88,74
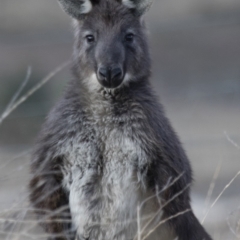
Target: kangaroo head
x,y
110,46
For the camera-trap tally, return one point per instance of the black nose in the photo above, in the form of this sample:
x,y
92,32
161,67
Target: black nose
x,y
110,77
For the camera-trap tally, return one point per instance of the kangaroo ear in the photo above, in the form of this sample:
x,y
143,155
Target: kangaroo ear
x,y
141,6
75,8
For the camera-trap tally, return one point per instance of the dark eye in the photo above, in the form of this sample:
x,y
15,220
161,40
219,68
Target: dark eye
x,y
129,37
90,38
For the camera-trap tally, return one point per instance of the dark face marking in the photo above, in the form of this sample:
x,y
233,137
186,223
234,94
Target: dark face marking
x,y
111,46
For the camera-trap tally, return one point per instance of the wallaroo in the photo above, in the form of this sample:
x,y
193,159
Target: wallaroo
x,y
108,165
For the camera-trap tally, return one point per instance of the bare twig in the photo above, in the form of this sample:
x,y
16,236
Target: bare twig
x,y
168,185
23,154
17,225
231,141
236,231
164,221
161,208
14,104
22,86
212,185
221,193
59,220
138,223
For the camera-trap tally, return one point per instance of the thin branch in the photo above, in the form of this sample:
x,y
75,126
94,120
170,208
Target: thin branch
x,y
168,185
212,185
161,208
16,226
231,141
236,231
22,86
138,223
221,193
23,154
32,91
164,221
58,220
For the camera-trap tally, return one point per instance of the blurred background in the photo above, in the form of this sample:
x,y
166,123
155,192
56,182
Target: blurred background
x,y
195,47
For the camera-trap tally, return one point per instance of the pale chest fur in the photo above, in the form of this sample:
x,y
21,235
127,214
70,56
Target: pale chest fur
x,y
106,179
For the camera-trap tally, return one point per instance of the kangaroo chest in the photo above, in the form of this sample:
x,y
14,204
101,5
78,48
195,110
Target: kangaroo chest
x,y
104,183
106,180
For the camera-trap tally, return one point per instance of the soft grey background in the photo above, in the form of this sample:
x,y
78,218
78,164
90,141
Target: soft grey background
x,y
195,47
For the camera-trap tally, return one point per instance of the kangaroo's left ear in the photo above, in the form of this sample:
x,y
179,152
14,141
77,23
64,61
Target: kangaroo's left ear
x,y
76,8
141,6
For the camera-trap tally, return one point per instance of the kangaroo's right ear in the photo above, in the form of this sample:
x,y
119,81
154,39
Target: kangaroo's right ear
x,y
76,8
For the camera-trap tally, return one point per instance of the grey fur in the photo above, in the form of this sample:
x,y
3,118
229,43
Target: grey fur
x,y
104,151
141,6
76,8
